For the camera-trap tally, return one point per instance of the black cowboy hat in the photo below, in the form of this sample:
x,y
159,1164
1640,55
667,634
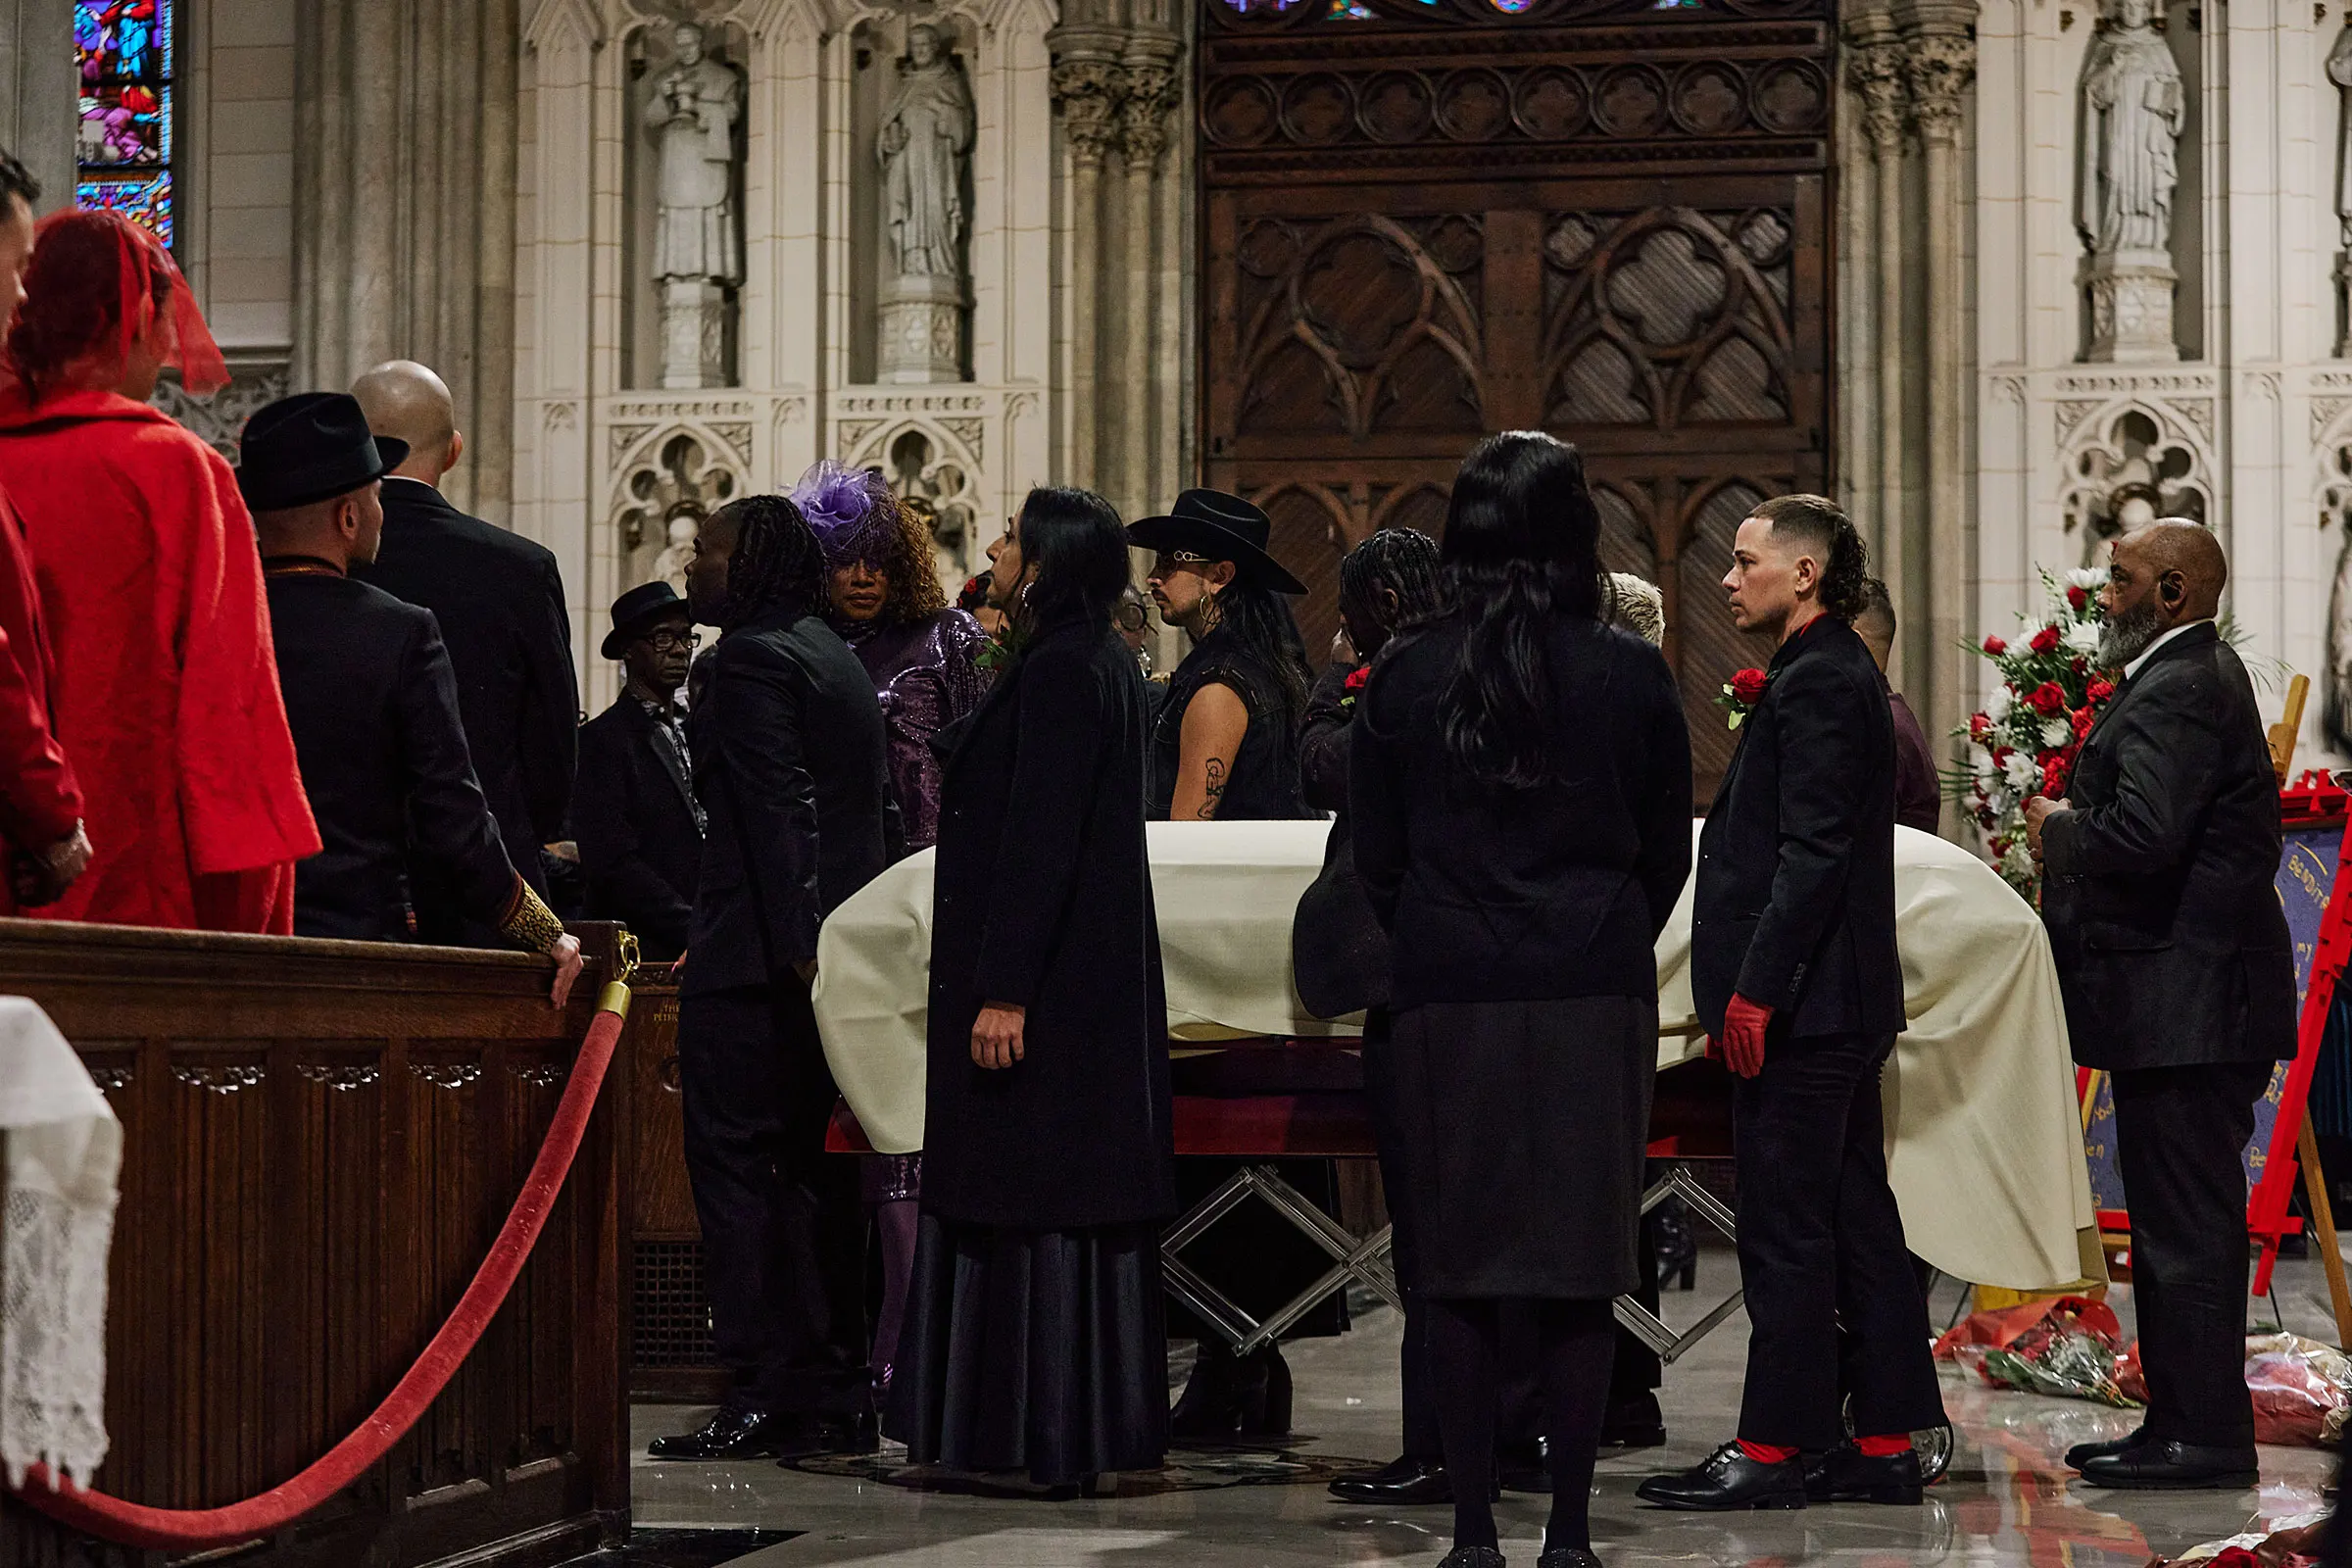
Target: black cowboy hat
x,y
311,446
1222,527
634,609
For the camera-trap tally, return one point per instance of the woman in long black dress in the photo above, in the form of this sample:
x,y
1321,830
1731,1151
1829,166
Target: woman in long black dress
x,y
1034,1338
1521,791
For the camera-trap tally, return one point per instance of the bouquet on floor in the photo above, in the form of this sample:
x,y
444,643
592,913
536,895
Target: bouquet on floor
x,y
2023,741
2067,1346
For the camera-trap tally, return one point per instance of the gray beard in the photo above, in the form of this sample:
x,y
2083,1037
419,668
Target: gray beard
x,y
2125,637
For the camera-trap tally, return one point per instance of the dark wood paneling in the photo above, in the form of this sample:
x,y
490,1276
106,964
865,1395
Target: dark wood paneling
x,y
1433,218
320,1140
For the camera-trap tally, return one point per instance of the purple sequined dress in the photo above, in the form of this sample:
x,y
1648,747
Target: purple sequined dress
x,y
927,676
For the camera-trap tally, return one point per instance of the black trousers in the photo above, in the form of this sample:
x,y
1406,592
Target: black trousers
x,y
1635,1370
1831,1298
783,1230
2180,1136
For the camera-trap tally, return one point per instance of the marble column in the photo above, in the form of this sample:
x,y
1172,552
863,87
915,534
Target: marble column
x,y
1874,68
404,209
39,94
1151,74
1939,68
1089,86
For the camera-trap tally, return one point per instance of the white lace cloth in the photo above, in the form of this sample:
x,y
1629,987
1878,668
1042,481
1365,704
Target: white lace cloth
x,y
63,1150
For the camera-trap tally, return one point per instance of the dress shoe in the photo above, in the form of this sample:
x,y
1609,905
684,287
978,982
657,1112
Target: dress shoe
x,y
1846,1474
1634,1422
829,1432
728,1435
1234,1399
2082,1453
1472,1557
1523,1467
1567,1557
2167,1466
1407,1483
1728,1479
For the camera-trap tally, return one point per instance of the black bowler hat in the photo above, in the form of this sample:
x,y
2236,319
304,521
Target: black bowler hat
x,y
632,610
1222,527
311,446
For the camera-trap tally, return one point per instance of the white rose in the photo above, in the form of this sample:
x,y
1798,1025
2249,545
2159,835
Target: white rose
x,y
2056,732
1979,762
2089,578
1996,707
2083,637
2024,773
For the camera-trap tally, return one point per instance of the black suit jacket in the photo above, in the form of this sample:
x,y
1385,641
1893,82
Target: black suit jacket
x,y
1339,954
788,764
1041,897
2159,889
499,602
1794,906
375,714
632,812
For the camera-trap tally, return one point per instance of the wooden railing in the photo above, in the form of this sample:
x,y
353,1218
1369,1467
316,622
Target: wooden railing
x,y
320,1140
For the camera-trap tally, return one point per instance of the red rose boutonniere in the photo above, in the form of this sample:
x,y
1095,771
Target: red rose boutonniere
x,y
1353,687
1742,693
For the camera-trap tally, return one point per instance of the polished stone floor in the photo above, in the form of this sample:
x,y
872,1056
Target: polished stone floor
x,y
2006,1500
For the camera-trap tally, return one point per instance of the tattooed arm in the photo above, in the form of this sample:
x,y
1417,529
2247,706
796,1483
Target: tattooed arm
x,y
1214,723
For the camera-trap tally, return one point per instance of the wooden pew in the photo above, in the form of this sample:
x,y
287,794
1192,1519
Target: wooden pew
x,y
320,1140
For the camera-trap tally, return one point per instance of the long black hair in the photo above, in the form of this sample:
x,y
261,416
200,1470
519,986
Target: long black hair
x,y
1074,539
777,565
1259,619
1521,551
1403,562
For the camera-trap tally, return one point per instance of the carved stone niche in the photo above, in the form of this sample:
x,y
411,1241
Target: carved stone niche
x,y
2129,471
938,487
664,495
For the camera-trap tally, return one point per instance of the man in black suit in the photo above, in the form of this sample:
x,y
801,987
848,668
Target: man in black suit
x,y
788,763
2179,976
1795,971
633,811
499,602
368,698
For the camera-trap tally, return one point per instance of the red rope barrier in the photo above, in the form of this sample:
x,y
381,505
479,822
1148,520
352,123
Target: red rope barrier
x,y
134,1524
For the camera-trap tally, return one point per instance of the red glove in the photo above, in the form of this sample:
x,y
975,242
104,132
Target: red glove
x,y
1742,1044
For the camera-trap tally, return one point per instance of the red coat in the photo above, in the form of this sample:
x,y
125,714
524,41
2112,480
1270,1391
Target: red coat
x,y
40,800
167,692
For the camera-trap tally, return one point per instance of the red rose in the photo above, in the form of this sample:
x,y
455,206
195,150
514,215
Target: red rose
x,y
2076,598
2001,756
1994,647
2054,768
2045,641
2077,664
1979,727
2101,690
2046,698
1748,687
1357,677
2082,720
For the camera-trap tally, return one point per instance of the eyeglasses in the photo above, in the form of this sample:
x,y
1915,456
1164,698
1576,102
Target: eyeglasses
x,y
665,641
1131,618
1165,559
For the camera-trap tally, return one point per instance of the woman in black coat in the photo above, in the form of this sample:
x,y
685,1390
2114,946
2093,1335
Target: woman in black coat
x,y
1520,785
1034,1337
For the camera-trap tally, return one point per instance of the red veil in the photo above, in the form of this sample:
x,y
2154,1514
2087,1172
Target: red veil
x,y
96,283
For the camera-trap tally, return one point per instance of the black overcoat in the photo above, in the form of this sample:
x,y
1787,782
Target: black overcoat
x,y
2160,892
1339,954
788,764
1042,898
633,814
1795,902
499,599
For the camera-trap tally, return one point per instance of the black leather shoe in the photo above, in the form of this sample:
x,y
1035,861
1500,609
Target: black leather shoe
x,y
1634,1423
1567,1557
1728,1479
1472,1557
729,1435
1523,1467
2168,1466
1846,1474
2081,1453
1407,1483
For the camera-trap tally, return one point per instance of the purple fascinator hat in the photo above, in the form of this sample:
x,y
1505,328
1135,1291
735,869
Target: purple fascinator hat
x,y
851,510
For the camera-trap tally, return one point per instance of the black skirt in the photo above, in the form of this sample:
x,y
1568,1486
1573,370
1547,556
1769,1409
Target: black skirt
x,y
1036,1350
1523,1126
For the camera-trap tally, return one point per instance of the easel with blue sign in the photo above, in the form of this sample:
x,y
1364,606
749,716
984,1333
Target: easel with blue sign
x,y
2318,900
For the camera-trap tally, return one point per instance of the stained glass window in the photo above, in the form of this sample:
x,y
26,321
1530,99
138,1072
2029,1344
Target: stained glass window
x,y
124,148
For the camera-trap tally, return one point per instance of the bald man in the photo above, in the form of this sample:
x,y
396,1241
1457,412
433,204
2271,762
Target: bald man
x,y
2174,956
499,602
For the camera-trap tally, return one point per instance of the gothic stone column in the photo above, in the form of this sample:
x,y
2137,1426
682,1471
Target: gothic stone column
x,y
1089,86
1150,73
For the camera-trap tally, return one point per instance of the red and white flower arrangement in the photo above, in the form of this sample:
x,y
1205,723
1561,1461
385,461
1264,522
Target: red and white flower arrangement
x,y
2023,741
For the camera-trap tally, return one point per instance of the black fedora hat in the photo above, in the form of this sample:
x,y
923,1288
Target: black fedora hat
x,y
1222,527
632,609
311,446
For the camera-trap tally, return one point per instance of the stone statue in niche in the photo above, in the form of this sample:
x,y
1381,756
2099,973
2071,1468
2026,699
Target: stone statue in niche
x,y
677,553
2340,71
923,144
693,108
2133,106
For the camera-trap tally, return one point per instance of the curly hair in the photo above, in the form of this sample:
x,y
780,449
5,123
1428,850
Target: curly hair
x,y
777,565
1402,561
1844,559
911,571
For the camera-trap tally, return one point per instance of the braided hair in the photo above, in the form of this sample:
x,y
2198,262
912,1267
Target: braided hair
x,y
1401,560
777,565
1844,559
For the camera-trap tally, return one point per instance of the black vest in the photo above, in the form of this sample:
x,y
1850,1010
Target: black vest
x,y
1264,785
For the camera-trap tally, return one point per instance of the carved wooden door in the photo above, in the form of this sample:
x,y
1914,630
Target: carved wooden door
x,y
1428,220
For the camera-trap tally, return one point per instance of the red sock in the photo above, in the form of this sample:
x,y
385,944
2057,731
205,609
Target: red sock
x,y
1770,1452
1886,1447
